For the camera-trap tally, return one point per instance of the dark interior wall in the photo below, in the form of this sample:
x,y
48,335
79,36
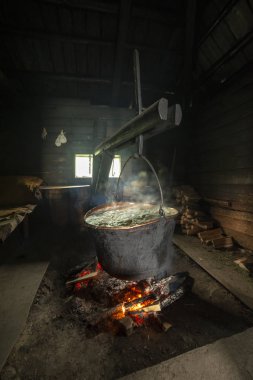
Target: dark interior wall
x,y
221,157
167,154
23,152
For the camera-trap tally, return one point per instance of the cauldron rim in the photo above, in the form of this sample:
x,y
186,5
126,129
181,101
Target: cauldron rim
x,y
118,204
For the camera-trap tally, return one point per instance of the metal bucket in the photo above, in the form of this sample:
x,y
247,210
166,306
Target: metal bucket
x,y
134,253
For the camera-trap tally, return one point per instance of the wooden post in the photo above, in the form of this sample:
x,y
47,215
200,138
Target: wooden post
x,y
186,84
124,15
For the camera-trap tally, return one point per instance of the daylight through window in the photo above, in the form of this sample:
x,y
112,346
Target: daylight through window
x,y
83,165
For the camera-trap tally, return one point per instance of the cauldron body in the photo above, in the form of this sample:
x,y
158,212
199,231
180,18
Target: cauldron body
x,y
134,253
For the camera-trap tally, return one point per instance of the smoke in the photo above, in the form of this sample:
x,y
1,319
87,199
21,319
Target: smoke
x,y
140,188
170,258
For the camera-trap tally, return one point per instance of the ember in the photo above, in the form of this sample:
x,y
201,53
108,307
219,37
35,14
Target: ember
x,y
117,299
83,278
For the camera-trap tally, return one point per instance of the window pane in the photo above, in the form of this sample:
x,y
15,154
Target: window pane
x,y
83,165
115,168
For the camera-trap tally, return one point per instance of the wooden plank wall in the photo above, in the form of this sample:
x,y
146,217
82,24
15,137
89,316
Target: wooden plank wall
x,y
23,152
221,158
167,154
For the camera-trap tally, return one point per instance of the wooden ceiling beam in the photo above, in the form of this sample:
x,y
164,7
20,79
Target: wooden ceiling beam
x,y
166,16
45,75
158,16
45,35
240,45
224,12
78,39
92,5
124,16
186,78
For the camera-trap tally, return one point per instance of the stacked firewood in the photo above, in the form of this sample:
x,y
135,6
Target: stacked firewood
x,y
216,238
195,221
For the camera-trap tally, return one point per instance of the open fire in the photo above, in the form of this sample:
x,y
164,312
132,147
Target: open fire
x,y
125,301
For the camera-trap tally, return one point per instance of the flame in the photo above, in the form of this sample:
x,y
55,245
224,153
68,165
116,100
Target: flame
x,y
133,300
128,302
119,312
132,292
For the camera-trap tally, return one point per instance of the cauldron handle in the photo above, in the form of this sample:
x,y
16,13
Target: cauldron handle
x,y
140,156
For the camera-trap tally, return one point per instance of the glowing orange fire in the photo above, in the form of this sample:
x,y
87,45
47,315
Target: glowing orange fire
x,y
84,283
134,299
129,301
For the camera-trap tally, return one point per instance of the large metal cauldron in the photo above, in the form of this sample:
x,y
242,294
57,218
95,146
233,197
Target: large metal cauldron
x,y
134,253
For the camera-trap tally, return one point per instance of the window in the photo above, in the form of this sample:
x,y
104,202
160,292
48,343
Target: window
x,y
116,167
83,165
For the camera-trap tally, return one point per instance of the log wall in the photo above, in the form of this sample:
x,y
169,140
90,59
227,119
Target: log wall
x,y
221,158
23,152
167,153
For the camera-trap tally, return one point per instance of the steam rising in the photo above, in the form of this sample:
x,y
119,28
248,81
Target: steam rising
x,y
140,188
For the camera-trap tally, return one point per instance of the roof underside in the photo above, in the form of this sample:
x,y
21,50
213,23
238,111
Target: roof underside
x,y
225,43
85,49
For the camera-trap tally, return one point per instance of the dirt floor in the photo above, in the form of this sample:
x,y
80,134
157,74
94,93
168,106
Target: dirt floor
x,y
56,343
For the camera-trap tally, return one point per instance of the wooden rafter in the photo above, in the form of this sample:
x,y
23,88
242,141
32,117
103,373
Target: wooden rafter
x,y
92,5
77,39
162,16
124,16
186,83
224,12
46,75
240,44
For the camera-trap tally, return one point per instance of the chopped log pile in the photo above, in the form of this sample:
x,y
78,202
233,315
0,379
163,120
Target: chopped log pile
x,y
196,222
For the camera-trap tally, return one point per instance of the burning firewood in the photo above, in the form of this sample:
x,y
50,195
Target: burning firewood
x,y
152,308
139,318
173,297
139,301
169,284
119,311
82,278
133,289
